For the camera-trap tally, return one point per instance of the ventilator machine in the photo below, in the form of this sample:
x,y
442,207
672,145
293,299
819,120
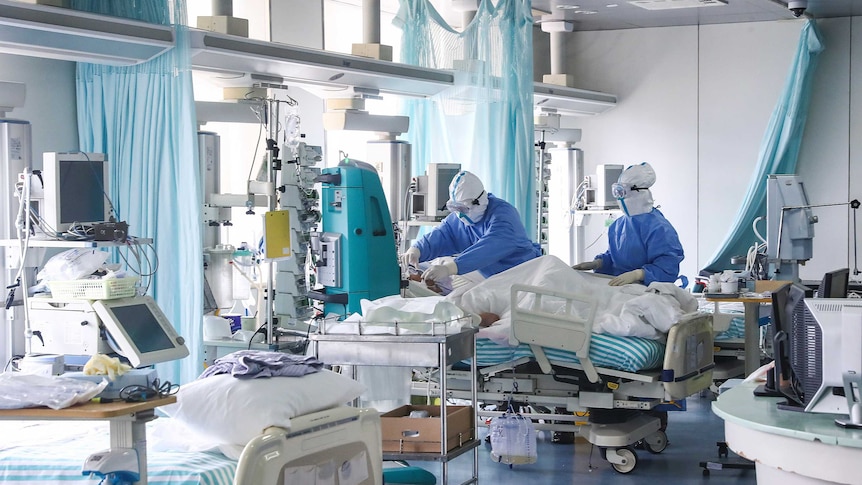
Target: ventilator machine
x,y
354,253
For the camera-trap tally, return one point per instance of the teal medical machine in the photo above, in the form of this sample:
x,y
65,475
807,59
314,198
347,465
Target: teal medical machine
x,y
354,253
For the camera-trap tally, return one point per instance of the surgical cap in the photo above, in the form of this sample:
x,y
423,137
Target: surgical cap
x,y
641,175
465,187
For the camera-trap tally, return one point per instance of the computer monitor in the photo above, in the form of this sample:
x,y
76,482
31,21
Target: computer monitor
x,y
432,191
784,300
141,330
76,187
834,284
825,345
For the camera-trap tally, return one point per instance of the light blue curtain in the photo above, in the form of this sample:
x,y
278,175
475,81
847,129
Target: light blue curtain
x,y
484,122
143,118
779,149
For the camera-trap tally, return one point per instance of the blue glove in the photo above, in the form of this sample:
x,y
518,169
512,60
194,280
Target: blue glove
x,y
634,276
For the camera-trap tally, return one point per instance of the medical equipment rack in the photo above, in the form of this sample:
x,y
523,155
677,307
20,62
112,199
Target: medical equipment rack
x,y
415,350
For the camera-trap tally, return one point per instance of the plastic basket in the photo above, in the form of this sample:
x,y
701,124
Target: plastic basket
x,y
105,289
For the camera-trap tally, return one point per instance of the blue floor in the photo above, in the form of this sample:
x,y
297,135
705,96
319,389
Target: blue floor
x,y
692,437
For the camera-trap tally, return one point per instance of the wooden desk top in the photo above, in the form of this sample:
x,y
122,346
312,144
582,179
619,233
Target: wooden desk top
x,y
88,410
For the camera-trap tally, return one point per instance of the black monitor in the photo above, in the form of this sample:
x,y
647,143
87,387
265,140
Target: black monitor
x,y
784,301
834,284
787,303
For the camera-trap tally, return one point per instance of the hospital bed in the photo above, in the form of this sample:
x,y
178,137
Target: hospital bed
x,y
342,445
555,370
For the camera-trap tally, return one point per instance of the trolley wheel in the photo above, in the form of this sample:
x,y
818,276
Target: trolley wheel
x,y
630,460
706,472
656,442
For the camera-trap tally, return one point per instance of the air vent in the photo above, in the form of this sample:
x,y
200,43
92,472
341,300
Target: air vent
x,y
673,4
826,306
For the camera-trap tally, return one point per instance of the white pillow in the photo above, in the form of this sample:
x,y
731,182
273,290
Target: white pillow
x,y
233,411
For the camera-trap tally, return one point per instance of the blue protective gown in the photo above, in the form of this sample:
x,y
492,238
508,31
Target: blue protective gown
x,y
645,241
494,244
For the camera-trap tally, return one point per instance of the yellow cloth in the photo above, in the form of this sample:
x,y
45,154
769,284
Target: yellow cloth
x,y
101,364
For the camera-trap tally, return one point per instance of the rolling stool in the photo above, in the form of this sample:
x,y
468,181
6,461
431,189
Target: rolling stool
x,y
408,475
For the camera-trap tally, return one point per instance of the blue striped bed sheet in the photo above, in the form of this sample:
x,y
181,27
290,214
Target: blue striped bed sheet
x,y
630,354
52,459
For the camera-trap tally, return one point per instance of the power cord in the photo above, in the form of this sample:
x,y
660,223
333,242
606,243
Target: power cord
x,y
156,390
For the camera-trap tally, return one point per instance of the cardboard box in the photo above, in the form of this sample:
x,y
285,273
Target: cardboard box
x,y
403,434
224,25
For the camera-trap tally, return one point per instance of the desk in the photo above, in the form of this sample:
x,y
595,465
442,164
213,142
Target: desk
x,y
788,447
752,329
127,421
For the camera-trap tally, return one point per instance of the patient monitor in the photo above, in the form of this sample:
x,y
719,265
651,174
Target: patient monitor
x,y
134,327
141,330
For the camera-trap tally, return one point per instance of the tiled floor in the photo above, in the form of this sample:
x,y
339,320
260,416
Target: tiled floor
x,y
692,437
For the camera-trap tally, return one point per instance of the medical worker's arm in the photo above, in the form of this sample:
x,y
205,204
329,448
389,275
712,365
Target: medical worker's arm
x,y
607,266
444,240
497,242
664,253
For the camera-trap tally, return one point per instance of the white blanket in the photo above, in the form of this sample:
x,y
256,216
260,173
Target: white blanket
x,y
630,310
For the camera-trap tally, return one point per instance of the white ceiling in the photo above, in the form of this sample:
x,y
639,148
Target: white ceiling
x,y
622,14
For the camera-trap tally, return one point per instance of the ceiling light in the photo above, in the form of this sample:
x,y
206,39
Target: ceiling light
x,y
673,4
568,7
585,12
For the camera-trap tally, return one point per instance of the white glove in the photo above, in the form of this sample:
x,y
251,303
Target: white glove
x,y
630,277
594,264
410,257
440,270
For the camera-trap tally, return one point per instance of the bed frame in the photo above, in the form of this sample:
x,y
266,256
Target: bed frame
x,y
342,440
567,397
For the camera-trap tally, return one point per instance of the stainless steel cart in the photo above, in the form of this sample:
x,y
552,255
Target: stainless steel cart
x,y
433,351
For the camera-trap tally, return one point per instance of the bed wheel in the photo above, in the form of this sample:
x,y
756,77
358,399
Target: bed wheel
x,y
629,460
656,442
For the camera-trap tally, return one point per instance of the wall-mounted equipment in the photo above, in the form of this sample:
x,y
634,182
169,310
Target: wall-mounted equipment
x,y
76,187
600,193
428,202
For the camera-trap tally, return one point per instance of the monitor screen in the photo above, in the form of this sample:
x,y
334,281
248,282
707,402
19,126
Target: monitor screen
x,y
81,190
76,187
142,332
834,284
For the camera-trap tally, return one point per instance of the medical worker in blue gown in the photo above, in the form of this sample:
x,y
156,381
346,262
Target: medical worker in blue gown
x,y
642,245
482,233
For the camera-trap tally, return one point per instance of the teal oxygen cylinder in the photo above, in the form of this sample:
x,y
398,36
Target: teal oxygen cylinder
x,y
355,253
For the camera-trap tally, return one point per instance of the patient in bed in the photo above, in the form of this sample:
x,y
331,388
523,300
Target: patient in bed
x,y
632,310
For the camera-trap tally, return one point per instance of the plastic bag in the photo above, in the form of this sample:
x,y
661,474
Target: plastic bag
x,y
73,264
513,439
19,390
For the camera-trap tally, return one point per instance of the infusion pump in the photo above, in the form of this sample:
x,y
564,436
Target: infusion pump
x,y
66,327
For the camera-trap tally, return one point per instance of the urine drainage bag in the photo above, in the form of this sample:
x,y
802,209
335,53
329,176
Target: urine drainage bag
x,y
513,439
